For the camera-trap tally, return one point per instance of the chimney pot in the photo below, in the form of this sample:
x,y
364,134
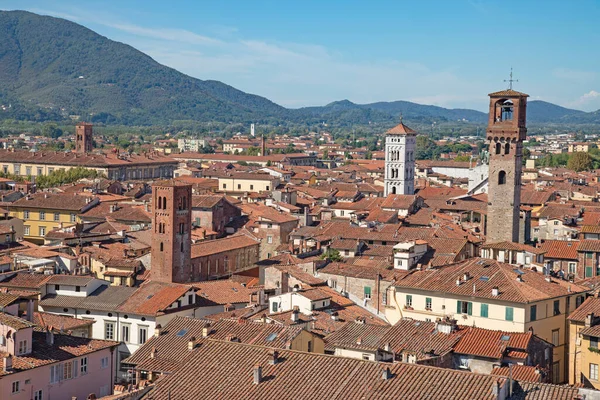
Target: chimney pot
x,y
8,363
49,337
274,355
386,374
158,330
191,343
495,291
257,373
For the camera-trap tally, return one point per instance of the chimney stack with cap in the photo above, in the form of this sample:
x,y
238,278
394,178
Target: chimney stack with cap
x,y
7,363
157,330
257,373
191,343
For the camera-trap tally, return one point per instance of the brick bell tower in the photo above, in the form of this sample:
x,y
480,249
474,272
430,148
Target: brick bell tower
x,y
83,138
171,236
505,133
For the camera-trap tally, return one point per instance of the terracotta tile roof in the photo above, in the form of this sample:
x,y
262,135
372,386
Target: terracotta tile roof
x,y
206,201
59,322
491,344
535,197
520,373
262,212
152,298
399,201
67,202
486,274
65,347
224,370
508,93
560,249
124,212
589,246
420,338
6,299
288,263
543,391
209,247
105,298
440,193
25,280
513,246
590,305
222,292
590,229
356,336
73,280
401,129
14,322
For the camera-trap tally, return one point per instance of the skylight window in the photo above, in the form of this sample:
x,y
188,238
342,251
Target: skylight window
x,y
182,332
271,337
505,338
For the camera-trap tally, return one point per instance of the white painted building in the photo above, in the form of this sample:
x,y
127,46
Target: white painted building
x,y
400,148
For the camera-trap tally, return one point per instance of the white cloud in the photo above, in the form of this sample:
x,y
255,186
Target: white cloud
x,y
174,35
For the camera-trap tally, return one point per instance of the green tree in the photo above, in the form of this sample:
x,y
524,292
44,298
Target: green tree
x,y
579,162
52,131
332,255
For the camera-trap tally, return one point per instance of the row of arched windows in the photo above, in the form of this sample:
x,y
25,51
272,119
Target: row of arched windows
x,y
499,148
395,155
161,203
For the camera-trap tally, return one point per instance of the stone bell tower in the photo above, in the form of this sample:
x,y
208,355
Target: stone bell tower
x,y
400,149
505,134
84,138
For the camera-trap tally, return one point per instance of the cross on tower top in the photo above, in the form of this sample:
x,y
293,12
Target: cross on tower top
x,y
511,80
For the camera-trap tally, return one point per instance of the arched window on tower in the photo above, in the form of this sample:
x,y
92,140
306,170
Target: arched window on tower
x,y
498,148
507,148
158,202
501,178
161,246
393,189
164,205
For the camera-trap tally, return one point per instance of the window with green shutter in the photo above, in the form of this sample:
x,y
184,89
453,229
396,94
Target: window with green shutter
x,y
533,313
470,308
588,272
409,300
509,314
459,307
484,310
428,303
367,292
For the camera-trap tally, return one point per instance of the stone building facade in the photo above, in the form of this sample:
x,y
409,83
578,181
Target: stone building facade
x,y
171,236
505,134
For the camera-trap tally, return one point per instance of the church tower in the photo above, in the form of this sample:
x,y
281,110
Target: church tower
x,y
83,138
506,131
400,145
171,236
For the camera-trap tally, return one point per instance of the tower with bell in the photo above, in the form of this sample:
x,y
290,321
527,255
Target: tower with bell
x,y
506,131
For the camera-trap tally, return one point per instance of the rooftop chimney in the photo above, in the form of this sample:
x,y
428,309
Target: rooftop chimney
x,y
294,316
153,352
191,343
257,373
158,330
386,374
206,331
274,357
589,319
8,363
49,337
495,291
519,278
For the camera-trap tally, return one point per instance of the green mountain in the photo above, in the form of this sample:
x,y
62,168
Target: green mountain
x,y
62,66
51,68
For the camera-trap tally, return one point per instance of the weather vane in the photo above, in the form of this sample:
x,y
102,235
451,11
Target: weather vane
x,y
511,80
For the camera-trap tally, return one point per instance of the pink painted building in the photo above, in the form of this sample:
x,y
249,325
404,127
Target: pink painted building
x,y
42,365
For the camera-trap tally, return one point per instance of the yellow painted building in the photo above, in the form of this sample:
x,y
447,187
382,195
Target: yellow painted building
x,y
490,295
584,354
44,212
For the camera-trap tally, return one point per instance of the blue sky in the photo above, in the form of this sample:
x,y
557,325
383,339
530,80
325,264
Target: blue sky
x,y
299,53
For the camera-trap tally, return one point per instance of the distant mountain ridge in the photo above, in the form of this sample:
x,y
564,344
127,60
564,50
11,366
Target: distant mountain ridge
x,y
51,68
